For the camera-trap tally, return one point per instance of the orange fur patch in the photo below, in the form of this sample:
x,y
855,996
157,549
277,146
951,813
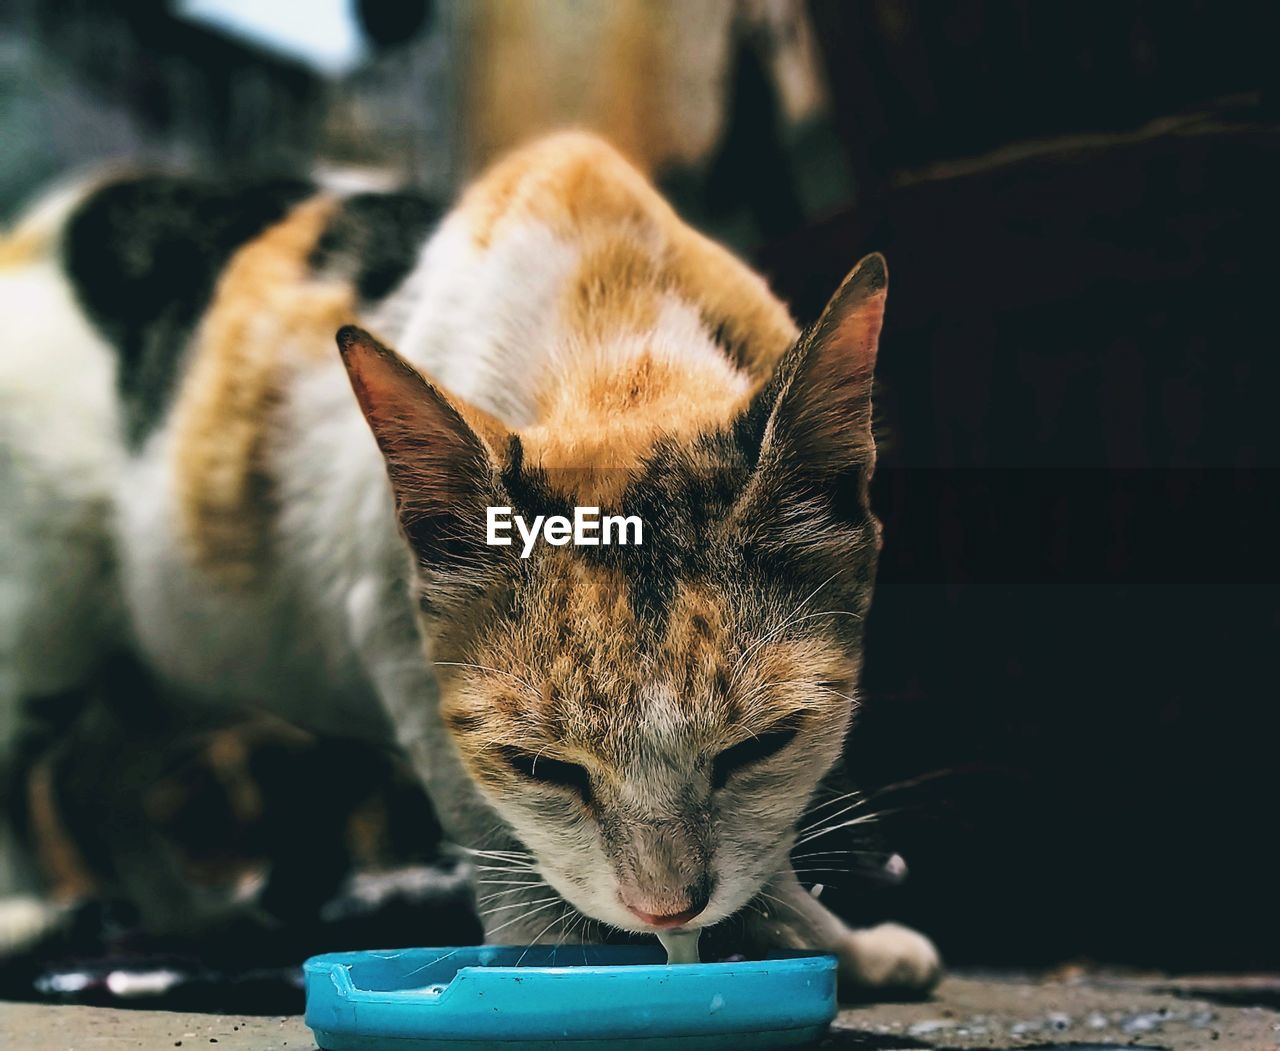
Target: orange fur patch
x,y
604,413
634,246
734,298
604,419
268,313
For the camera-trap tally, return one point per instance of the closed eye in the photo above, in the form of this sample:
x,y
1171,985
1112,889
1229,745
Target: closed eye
x,y
750,752
553,772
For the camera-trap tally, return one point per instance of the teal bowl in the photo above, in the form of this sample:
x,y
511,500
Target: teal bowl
x,y
584,997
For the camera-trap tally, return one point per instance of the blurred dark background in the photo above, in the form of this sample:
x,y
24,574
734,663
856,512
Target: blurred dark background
x,y
1077,610
1077,615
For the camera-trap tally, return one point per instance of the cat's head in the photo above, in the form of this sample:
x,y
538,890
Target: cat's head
x,y
650,720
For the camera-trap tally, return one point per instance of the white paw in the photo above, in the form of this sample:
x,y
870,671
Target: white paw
x,y
889,956
24,921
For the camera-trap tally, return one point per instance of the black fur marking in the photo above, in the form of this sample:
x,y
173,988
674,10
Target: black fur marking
x,y
697,528
736,350
532,494
683,497
143,257
374,239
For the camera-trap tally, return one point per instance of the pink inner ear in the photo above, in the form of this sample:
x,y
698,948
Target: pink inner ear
x,y
387,387
856,336
829,403
848,332
432,454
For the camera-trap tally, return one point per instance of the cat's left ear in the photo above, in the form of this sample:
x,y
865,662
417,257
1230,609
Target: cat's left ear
x,y
442,458
811,424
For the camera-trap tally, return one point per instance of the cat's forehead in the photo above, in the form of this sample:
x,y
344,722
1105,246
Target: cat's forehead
x,y
596,667
585,623
602,605
675,572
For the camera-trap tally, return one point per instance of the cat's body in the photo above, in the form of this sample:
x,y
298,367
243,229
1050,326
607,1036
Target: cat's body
x,y
170,398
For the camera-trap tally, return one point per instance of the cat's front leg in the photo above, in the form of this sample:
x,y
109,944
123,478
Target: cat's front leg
x,y
26,912
25,919
888,957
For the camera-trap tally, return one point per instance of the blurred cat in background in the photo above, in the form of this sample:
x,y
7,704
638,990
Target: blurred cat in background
x,y
625,737
192,821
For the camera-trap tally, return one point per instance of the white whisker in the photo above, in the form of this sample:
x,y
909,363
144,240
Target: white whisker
x,y
831,853
534,941
843,696
836,800
510,882
517,919
516,905
505,859
508,869
787,621
831,817
864,819
509,892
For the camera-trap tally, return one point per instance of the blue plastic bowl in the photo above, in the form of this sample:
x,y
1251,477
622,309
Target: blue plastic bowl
x,y
584,997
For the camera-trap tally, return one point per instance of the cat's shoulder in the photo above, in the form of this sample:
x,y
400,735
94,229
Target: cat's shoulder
x,y
628,240
571,181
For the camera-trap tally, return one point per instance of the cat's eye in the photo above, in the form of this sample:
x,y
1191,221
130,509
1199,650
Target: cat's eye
x,y
750,752
549,771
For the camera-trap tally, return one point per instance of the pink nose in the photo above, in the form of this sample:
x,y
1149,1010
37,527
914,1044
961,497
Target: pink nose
x,y
673,919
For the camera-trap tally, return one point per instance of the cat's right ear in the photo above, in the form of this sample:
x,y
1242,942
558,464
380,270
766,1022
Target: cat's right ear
x,y
441,458
809,428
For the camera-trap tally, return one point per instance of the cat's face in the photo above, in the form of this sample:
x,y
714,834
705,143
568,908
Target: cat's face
x,y
651,721
655,755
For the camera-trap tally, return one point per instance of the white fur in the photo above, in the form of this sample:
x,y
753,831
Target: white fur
x,y
26,918
485,323
59,457
59,454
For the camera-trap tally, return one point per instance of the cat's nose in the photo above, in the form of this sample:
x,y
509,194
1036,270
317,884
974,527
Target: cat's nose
x,y
697,898
674,919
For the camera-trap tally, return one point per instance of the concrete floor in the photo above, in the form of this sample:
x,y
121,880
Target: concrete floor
x,y
1082,1012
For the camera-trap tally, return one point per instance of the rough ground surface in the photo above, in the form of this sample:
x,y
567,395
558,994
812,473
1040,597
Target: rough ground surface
x,y
1084,1013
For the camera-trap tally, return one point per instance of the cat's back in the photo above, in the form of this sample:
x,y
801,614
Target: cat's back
x,y
203,317
151,328
565,243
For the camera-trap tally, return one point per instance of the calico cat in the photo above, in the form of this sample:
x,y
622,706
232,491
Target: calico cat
x,y
625,736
